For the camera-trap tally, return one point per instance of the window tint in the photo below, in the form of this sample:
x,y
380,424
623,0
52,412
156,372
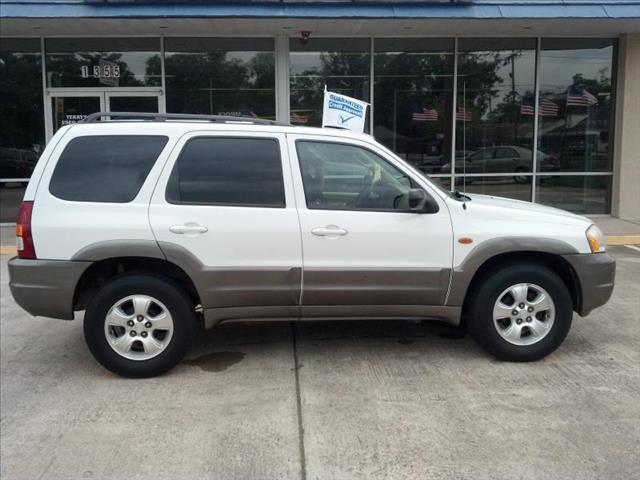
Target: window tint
x,y
105,168
228,171
345,177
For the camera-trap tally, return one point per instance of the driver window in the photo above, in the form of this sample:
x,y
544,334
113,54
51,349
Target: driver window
x,y
338,176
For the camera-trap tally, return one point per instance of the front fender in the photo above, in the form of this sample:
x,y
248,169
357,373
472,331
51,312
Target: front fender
x,y
462,275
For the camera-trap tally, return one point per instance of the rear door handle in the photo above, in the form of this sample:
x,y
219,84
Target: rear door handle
x,y
188,228
329,231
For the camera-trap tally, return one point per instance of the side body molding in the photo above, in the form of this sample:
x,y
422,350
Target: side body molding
x,y
463,274
239,287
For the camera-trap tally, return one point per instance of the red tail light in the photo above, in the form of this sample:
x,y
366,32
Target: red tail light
x,y
23,231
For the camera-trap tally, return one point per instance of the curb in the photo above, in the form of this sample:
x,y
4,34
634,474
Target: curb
x,y
8,250
622,239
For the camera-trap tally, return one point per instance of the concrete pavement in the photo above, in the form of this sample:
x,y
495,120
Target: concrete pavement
x,y
334,400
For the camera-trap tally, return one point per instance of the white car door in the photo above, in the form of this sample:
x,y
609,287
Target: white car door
x,y
224,211
365,252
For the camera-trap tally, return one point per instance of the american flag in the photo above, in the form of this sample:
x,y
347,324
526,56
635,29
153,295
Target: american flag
x,y
579,97
547,108
463,115
299,119
526,107
425,115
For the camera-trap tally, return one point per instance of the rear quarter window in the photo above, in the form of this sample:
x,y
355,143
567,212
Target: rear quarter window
x,y
105,168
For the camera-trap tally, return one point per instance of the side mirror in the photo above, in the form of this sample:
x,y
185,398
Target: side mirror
x,y
421,202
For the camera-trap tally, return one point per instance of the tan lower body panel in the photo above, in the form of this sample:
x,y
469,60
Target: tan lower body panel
x,y
393,286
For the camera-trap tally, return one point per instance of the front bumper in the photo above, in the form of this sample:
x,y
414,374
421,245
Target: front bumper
x,y
45,287
596,274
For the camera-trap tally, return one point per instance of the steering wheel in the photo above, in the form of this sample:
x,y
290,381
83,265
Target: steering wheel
x,y
396,200
363,196
387,197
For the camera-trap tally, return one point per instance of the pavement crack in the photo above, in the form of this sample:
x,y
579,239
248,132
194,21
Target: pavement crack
x,y
296,369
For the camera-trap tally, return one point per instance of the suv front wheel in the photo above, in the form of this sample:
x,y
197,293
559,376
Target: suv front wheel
x,y
139,325
521,312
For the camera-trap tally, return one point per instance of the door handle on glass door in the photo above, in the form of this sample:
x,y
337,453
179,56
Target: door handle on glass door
x,y
329,231
188,228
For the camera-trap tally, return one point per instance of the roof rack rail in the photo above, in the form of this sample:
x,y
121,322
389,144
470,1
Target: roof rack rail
x,y
163,117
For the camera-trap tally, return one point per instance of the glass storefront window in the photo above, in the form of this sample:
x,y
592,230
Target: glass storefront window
x,y
584,194
103,62
444,182
576,103
221,76
413,101
517,187
413,81
343,65
494,118
21,119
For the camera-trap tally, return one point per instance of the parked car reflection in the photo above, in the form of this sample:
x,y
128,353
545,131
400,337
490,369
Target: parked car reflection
x,y
503,159
17,162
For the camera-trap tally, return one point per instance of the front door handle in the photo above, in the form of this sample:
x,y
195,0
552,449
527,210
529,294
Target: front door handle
x,y
188,228
329,231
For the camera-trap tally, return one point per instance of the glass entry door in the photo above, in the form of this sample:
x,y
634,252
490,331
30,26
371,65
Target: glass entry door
x,y
68,106
73,109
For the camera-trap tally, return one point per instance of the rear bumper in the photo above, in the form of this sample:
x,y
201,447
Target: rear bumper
x,y
45,287
596,274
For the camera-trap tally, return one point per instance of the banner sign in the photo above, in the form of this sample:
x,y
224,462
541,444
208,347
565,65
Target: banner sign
x,y
343,112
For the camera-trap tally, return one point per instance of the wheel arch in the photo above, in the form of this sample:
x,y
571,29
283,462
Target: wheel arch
x,y
104,270
552,261
506,251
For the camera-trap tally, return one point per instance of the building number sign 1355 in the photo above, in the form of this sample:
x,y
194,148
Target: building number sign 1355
x,y
107,73
104,70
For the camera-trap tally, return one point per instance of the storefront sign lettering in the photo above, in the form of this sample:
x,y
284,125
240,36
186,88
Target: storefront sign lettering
x,y
71,119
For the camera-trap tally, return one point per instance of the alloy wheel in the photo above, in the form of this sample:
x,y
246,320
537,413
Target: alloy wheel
x,y
524,314
138,327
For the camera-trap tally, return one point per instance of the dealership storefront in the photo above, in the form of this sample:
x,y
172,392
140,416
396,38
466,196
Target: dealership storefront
x,y
535,117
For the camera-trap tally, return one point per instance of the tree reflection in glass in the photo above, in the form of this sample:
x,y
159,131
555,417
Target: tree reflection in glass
x,y
221,76
413,99
576,78
341,64
495,117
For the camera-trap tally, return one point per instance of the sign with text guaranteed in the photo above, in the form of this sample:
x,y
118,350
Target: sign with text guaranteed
x,y
343,112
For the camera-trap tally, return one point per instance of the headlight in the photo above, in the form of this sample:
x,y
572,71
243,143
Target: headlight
x,y
596,240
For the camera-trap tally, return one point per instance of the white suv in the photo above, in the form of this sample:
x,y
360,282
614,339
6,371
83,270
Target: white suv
x,y
151,223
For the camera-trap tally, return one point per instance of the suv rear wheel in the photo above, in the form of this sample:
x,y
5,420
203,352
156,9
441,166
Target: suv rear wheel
x,y
520,313
139,325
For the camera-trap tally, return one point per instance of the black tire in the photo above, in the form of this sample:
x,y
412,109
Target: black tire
x,y
479,312
170,294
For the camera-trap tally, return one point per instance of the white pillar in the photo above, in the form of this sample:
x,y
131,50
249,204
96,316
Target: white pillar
x,y
626,180
282,78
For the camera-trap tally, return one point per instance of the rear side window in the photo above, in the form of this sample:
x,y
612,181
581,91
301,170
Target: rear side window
x,y
105,168
228,171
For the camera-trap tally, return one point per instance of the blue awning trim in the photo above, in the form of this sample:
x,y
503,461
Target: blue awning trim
x,y
485,10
